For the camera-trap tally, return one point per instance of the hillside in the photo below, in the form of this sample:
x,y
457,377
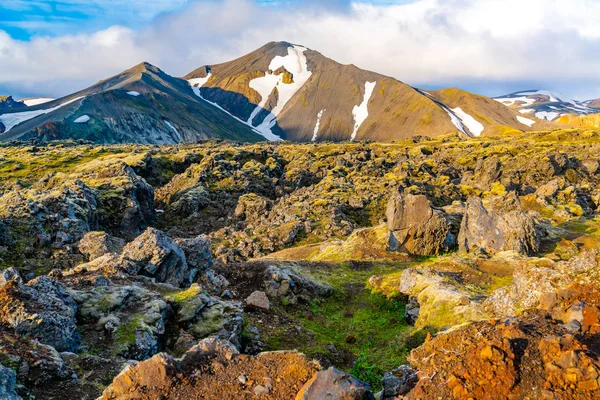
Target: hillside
x,y
140,105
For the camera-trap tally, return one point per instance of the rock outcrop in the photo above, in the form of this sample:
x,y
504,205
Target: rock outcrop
x,y
416,227
501,226
8,380
43,310
156,255
335,384
96,244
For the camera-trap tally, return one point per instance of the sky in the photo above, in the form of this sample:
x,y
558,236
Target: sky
x,y
492,47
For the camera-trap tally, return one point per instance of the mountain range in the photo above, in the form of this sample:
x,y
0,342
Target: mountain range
x,y
281,91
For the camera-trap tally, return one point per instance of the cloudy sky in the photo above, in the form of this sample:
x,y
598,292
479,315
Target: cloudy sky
x,y
492,47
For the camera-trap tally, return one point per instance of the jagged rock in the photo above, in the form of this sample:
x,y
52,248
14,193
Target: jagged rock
x,y
416,227
189,201
487,172
258,300
96,244
197,252
412,311
156,255
41,309
502,226
336,385
286,283
8,380
252,207
10,274
398,382
131,318
202,315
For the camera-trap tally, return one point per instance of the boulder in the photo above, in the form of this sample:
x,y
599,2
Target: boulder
x,y
189,201
335,385
258,300
10,274
501,226
487,171
252,207
8,380
416,227
288,284
96,244
398,382
156,255
43,310
197,252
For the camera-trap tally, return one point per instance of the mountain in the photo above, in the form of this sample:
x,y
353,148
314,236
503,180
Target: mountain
x,y
8,103
140,105
544,104
280,91
295,93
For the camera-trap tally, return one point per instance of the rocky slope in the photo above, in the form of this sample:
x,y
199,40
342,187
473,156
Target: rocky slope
x,y
140,105
426,268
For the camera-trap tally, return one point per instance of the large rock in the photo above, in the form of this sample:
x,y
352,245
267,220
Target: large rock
x,y
156,255
197,252
335,385
287,283
258,300
416,227
8,275
43,310
8,380
501,226
96,244
131,319
398,382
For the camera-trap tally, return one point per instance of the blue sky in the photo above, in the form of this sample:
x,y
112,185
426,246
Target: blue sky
x,y
492,47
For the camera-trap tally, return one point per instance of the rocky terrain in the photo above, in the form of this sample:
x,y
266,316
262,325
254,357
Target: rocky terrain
x,y
422,268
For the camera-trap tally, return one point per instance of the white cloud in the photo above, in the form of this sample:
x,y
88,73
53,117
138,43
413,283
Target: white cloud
x,y
553,43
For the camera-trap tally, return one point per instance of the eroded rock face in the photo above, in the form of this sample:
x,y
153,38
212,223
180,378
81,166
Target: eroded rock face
x,y
533,356
501,226
156,255
416,227
276,375
43,310
335,384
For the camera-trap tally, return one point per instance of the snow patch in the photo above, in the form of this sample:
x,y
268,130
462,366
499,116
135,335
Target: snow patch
x,y
36,101
13,119
170,125
197,92
361,112
133,93
549,116
525,121
197,83
318,125
295,63
82,120
526,110
509,101
471,123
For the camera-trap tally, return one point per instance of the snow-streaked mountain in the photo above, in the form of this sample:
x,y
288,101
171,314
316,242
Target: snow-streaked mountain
x,y
140,105
544,104
281,91
290,92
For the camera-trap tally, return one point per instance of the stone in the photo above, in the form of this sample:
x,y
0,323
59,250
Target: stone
x,y
398,382
43,310
10,274
416,227
335,385
258,300
156,255
96,244
503,226
8,380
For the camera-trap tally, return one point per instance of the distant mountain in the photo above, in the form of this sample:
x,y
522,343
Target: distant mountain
x,y
8,103
280,91
288,91
546,105
140,105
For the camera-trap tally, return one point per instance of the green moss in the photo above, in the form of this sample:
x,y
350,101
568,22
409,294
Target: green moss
x,y
125,335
